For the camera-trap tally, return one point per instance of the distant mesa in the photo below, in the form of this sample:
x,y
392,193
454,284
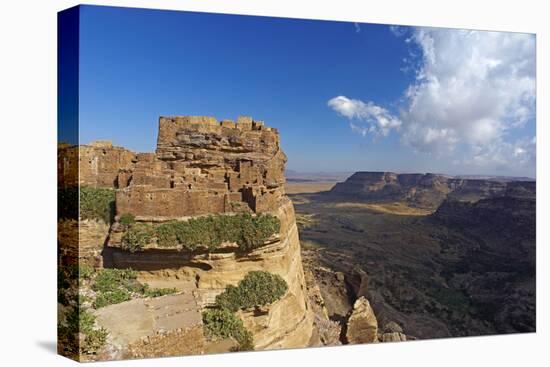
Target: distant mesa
x,y
426,190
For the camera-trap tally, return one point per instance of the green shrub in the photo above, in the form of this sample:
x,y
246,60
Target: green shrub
x,y
85,320
257,288
224,324
257,230
69,278
137,236
109,280
85,271
95,339
247,231
66,276
167,234
119,285
156,292
113,286
81,321
112,297
82,298
127,219
97,203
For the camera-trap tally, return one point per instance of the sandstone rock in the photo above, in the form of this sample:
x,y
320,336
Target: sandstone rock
x,y
392,327
328,331
325,330
200,167
81,242
358,281
287,323
154,327
101,144
362,326
393,337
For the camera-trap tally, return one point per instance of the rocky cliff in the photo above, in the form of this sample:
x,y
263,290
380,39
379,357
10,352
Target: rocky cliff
x,y
201,167
424,190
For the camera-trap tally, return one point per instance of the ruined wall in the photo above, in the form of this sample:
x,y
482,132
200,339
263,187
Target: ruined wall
x,y
67,165
94,165
204,166
100,163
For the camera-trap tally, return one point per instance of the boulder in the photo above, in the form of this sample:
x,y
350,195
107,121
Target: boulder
x,y
362,326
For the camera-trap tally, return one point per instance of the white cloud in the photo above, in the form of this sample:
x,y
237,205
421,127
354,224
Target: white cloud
x,y
500,155
365,117
473,89
398,31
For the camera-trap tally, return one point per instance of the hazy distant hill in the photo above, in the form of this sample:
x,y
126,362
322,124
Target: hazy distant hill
x,y
495,178
295,176
427,190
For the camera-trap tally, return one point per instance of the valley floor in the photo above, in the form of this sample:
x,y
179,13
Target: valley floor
x,y
434,279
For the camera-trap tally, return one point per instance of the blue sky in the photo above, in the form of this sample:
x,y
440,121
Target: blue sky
x,y
330,88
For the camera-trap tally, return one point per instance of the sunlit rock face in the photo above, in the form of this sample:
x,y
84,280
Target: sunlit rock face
x,y
200,167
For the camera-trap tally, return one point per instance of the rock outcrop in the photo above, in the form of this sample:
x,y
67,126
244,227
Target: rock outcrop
x,y
325,330
392,332
155,327
200,167
362,326
82,241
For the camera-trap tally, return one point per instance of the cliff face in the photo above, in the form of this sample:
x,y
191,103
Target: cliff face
x,y
423,190
201,167
287,323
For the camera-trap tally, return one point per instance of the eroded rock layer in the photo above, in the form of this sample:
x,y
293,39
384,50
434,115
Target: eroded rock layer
x,y
200,167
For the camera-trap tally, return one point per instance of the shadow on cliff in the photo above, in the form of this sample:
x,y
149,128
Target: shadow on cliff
x,y
149,260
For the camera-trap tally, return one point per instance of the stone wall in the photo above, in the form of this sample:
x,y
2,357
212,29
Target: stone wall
x,y
94,165
100,163
204,166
